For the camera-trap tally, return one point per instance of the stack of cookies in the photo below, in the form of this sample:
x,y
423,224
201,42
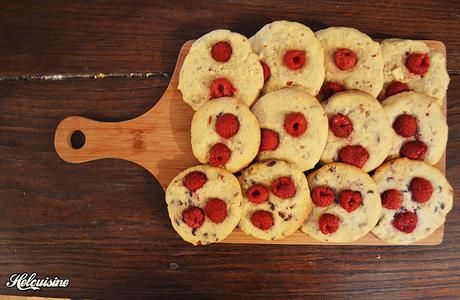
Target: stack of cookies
x,y
328,132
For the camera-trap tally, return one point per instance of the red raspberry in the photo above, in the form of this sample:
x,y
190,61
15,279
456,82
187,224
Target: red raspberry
x,y
269,140
221,87
283,187
221,51
341,126
405,222
414,150
322,196
193,216
295,124
405,125
216,210
418,63
262,219
294,59
421,189
391,199
219,155
345,59
396,87
354,155
328,223
257,194
266,70
350,200
227,125
330,88
194,180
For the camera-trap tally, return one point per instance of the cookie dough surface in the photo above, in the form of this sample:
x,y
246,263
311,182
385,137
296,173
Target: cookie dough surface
x,y
199,69
274,40
367,74
397,174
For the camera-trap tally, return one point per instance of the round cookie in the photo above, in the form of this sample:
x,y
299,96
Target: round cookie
x,y
225,134
410,211
352,60
346,204
204,204
428,76
292,55
220,64
359,131
416,117
298,124
276,200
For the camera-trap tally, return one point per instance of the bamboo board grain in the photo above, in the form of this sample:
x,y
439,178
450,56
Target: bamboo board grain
x,y
159,141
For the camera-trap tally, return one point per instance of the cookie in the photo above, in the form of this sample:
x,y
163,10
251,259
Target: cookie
x,y
346,204
359,131
416,198
417,119
352,60
204,204
276,200
292,56
220,64
412,65
294,127
225,134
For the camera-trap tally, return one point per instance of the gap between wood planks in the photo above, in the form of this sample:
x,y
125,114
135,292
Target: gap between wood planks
x,y
55,77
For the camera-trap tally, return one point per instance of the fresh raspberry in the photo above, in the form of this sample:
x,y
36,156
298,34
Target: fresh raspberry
x,y
328,223
194,180
295,124
266,70
227,125
269,140
193,216
405,221
330,88
219,155
345,59
350,200
421,189
322,196
418,63
391,199
414,150
294,59
405,125
262,219
257,194
396,87
354,155
221,87
341,126
216,210
283,187
221,51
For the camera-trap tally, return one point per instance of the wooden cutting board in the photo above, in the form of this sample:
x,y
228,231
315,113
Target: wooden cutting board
x,y
159,141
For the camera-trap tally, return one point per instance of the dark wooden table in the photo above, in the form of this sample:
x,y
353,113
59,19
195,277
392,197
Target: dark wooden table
x,y
104,224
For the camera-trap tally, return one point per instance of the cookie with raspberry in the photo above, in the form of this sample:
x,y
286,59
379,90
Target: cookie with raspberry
x,y
359,131
352,59
346,204
416,117
293,55
276,199
297,127
416,198
204,204
225,134
220,64
412,65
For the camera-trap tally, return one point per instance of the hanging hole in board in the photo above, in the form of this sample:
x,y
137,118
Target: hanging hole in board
x,y
77,139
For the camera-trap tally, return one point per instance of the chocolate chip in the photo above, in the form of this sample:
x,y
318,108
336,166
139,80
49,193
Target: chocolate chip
x,y
272,206
194,231
440,189
370,192
292,206
443,205
177,222
281,214
332,169
271,163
